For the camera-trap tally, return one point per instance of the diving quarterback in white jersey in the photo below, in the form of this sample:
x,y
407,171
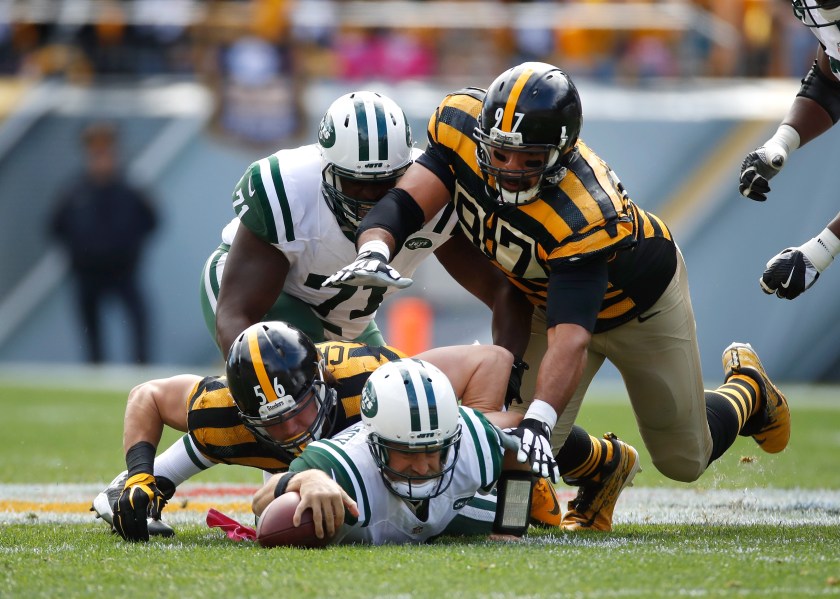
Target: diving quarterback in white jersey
x,y
814,111
297,212
406,471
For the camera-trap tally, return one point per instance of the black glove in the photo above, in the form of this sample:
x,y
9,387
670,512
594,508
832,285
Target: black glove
x,y
758,168
515,382
788,274
535,447
139,500
370,268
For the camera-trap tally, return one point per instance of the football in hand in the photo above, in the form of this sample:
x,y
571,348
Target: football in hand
x,y
275,528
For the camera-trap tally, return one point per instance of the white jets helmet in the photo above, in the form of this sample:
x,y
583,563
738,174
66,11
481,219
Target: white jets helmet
x,y
817,13
364,136
409,405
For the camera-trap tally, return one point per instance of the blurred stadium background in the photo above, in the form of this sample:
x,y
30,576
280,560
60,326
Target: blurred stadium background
x,y
675,93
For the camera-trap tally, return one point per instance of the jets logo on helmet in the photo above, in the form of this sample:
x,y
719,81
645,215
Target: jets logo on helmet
x,y
326,132
364,138
369,403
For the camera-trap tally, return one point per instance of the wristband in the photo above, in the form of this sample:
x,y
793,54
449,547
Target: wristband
x,y
140,458
787,137
377,246
821,249
542,411
283,483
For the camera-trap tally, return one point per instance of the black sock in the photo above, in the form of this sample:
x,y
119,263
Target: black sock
x,y
724,423
575,451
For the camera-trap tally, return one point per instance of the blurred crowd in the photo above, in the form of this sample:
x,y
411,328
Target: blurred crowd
x,y
84,39
258,54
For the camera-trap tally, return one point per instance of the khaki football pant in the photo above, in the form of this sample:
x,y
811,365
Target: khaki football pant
x,y
659,361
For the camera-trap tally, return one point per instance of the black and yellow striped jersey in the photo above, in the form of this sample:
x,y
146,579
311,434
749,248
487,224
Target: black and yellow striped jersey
x,y
588,213
218,433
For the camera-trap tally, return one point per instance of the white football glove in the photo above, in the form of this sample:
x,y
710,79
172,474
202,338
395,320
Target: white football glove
x,y
370,268
535,447
764,162
788,274
758,168
793,270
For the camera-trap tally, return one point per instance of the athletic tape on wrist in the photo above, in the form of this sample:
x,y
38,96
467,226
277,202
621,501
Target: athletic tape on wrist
x,y
542,411
821,249
376,246
830,241
786,136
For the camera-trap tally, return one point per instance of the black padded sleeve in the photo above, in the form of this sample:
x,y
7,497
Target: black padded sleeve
x,y
823,90
398,213
576,291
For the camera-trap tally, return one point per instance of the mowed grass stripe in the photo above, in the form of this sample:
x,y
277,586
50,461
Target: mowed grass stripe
x,y
18,506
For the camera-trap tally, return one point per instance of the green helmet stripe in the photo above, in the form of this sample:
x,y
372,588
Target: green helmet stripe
x,y
431,402
362,126
381,130
413,404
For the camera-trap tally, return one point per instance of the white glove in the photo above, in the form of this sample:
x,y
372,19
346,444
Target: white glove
x,y
788,274
534,435
764,162
794,270
370,268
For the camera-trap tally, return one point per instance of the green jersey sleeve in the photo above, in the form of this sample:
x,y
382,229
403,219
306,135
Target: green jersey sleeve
x,y
259,200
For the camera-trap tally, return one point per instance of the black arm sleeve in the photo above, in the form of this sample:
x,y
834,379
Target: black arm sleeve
x,y
823,90
576,291
398,213
435,159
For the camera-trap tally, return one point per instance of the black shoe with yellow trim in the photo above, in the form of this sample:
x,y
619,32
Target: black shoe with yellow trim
x,y
770,425
593,507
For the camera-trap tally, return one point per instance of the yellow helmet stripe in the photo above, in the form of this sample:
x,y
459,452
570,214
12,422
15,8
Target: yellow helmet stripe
x,y
513,98
259,366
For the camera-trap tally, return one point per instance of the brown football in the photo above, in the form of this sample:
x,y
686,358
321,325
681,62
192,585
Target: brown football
x,y
275,528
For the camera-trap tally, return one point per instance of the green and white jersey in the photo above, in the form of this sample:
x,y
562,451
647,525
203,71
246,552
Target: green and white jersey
x,y
808,12
279,199
386,518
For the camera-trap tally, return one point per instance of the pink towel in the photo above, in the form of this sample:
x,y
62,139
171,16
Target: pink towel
x,y
233,529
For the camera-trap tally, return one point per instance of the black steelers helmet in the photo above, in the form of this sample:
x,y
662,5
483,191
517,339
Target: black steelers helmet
x,y
533,107
274,371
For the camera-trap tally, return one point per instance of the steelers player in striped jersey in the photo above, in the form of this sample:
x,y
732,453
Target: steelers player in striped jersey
x,y
280,392
296,216
404,473
603,278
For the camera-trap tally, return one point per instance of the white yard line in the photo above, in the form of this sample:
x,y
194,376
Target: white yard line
x,y
58,503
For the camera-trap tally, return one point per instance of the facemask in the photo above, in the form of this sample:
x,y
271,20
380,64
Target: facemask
x,y
414,490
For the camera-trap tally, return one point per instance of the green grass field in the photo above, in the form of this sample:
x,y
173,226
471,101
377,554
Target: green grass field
x,y
74,436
